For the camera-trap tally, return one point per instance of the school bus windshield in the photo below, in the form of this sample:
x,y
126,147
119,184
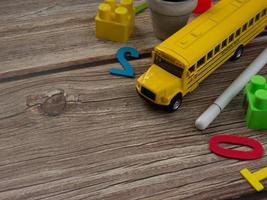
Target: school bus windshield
x,y
169,67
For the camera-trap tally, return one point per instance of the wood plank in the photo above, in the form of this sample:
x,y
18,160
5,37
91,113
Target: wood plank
x,y
258,196
110,144
41,35
45,35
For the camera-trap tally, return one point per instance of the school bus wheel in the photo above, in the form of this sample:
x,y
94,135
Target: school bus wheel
x,y
238,53
176,103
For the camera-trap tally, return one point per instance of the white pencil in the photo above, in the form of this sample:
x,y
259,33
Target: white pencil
x,y
222,101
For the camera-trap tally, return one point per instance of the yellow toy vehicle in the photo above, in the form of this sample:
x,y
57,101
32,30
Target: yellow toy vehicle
x,y
186,58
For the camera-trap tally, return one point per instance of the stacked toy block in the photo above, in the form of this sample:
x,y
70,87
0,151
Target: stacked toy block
x,y
256,98
114,21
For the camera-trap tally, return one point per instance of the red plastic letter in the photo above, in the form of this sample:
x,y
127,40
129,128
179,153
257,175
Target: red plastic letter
x,y
256,152
202,6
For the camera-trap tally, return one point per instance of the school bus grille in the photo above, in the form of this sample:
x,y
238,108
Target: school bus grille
x,y
148,93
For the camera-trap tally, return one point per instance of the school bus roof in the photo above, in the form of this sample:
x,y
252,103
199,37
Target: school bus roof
x,y
205,32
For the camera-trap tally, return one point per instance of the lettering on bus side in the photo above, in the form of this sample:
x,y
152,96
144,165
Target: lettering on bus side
x,y
229,47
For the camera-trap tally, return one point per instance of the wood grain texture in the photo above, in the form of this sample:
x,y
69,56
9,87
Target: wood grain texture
x,y
41,35
45,35
110,144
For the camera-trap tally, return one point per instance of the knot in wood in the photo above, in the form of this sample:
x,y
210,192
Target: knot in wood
x,y
55,103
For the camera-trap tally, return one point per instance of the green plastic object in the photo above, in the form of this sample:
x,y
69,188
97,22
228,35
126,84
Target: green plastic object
x,y
256,103
140,8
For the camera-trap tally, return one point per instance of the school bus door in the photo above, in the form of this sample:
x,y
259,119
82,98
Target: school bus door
x,y
191,79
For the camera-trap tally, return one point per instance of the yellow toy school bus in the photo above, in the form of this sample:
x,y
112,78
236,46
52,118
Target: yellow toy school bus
x,y
186,58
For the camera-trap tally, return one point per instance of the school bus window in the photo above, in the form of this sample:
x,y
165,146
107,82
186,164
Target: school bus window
x,y
201,62
169,67
217,49
231,38
238,32
264,12
257,17
192,69
210,54
224,43
245,26
251,22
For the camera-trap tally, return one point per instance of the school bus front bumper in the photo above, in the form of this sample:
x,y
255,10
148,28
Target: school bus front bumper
x,y
150,100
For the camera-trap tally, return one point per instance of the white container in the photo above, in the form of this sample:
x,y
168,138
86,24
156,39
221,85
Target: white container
x,y
170,16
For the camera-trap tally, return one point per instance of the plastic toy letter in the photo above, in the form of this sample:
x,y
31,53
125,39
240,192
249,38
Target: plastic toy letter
x,y
255,178
128,70
256,153
202,6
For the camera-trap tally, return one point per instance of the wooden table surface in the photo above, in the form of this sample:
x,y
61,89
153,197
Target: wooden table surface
x,y
107,143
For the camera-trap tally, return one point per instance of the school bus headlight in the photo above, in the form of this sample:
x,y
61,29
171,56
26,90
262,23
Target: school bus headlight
x,y
164,99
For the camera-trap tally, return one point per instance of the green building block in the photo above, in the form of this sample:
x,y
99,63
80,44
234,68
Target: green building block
x,y
256,103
